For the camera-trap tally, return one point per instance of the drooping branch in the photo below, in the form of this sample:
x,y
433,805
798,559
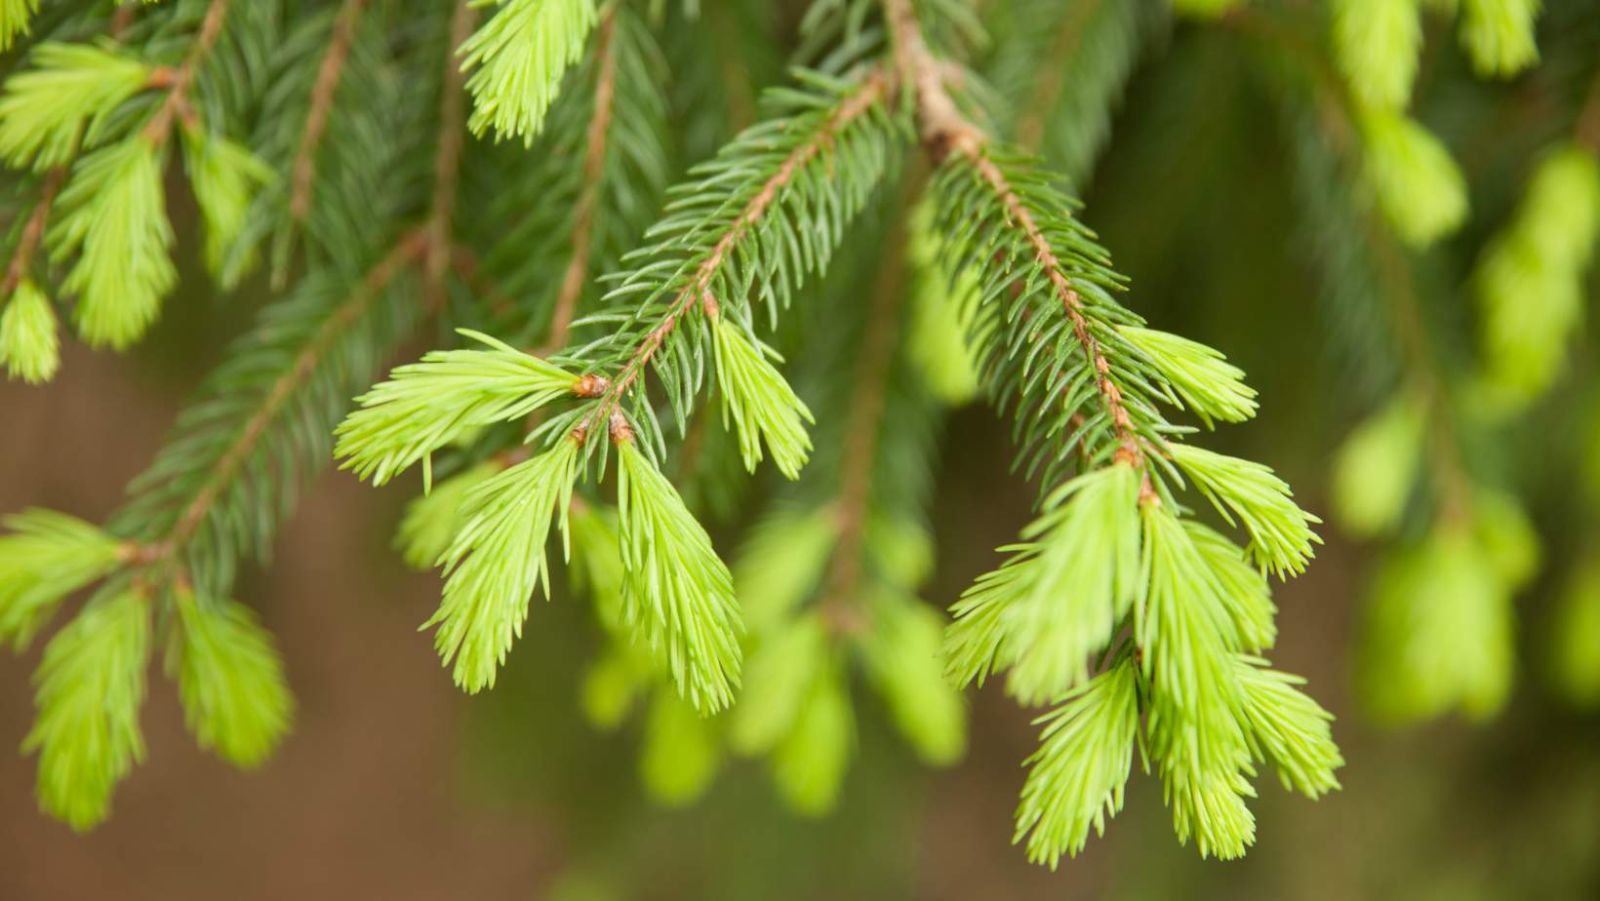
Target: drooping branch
x,y
945,131
695,293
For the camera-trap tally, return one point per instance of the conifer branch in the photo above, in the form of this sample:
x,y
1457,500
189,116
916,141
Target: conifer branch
x,y
586,211
329,73
1052,78
447,160
945,131
165,551
695,293
33,231
176,105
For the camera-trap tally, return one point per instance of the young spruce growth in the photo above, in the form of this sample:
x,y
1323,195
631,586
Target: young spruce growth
x,y
625,243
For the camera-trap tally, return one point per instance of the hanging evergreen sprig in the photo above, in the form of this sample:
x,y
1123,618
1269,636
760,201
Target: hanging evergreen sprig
x,y
217,491
82,114
1530,280
1110,550
1439,631
828,580
518,58
678,593
554,224
755,222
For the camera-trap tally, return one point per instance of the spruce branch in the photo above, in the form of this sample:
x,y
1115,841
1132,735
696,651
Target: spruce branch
x,y
585,213
679,594
427,405
337,123
29,347
699,272
1076,778
303,170
947,133
518,57
446,162
46,557
601,165
1110,549
496,561
32,231
178,83
235,698
88,691
175,482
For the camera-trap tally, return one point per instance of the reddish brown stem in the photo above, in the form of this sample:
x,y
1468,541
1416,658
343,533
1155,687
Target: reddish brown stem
x,y
585,213
304,171
176,106
447,160
32,232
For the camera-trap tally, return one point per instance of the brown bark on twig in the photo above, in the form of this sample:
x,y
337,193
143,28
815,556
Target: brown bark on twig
x,y
323,91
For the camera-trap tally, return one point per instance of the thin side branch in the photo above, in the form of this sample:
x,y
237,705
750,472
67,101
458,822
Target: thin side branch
x,y
447,161
33,232
176,106
1052,78
586,212
322,94
873,89
407,251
